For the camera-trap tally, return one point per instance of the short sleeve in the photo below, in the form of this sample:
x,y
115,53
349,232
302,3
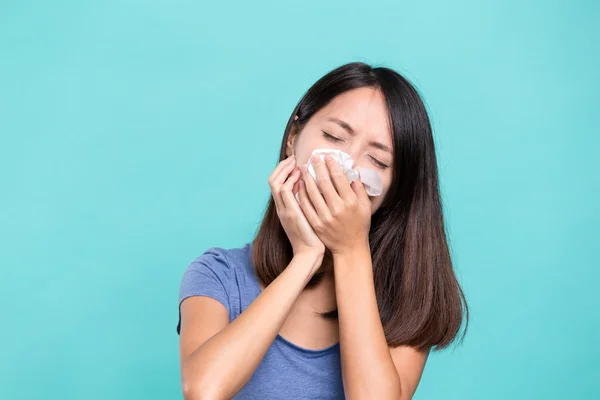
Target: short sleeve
x,y
208,275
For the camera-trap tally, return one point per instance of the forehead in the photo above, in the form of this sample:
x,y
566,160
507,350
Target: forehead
x,y
364,109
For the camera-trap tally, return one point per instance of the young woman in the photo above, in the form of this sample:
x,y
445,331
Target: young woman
x,y
340,295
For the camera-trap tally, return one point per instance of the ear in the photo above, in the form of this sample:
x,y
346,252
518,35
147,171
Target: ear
x,y
289,146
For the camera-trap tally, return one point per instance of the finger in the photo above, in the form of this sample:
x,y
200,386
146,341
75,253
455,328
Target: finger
x,y
278,177
281,165
338,178
281,172
313,194
287,187
307,207
324,181
359,189
286,194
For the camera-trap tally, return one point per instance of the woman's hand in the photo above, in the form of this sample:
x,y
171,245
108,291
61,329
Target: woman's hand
x,y
282,182
341,215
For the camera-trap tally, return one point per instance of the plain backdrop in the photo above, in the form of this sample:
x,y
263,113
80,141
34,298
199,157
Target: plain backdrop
x,y
136,134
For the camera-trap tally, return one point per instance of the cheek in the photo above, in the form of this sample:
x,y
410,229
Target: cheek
x,y
302,149
309,139
376,202
301,154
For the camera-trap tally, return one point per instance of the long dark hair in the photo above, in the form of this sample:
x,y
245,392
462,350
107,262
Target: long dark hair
x,y
420,301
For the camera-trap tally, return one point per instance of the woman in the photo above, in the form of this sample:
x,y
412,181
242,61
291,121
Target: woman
x,y
340,294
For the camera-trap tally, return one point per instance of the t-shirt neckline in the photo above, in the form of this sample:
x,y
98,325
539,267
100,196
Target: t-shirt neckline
x,y
307,351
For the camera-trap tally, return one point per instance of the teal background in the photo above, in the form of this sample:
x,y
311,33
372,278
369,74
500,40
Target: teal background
x,y
135,134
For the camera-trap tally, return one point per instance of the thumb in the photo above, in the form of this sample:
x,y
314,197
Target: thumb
x,y
359,188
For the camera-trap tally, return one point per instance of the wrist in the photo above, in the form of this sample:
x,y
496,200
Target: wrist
x,y
309,255
353,265
355,249
309,251
308,261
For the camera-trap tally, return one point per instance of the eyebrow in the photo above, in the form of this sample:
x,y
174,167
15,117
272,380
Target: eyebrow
x,y
351,131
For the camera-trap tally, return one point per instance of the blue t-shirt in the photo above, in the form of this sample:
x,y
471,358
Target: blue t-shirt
x,y
287,371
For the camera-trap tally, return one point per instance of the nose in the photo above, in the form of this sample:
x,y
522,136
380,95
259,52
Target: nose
x,y
354,151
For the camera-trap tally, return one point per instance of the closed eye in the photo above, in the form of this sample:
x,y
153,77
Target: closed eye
x,y
379,163
336,139
331,137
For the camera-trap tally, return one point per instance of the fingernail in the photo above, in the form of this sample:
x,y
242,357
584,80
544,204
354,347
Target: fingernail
x,y
315,158
328,157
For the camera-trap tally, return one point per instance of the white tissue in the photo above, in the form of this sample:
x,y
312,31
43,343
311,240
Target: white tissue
x,y
370,178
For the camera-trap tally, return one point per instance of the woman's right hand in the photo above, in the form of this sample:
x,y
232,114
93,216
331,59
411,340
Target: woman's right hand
x,y
283,183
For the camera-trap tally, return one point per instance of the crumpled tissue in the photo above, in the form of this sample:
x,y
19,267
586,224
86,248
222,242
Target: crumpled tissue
x,y
370,178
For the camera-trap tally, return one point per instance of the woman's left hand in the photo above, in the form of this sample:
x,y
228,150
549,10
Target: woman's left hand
x,y
341,215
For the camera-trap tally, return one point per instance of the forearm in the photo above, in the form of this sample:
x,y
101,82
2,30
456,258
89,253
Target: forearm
x,y
368,370
225,362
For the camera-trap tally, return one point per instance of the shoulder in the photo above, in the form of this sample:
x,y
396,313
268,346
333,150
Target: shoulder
x,y
216,273
225,260
213,257
219,266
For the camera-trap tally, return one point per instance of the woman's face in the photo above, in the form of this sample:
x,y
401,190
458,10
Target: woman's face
x,y
355,122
